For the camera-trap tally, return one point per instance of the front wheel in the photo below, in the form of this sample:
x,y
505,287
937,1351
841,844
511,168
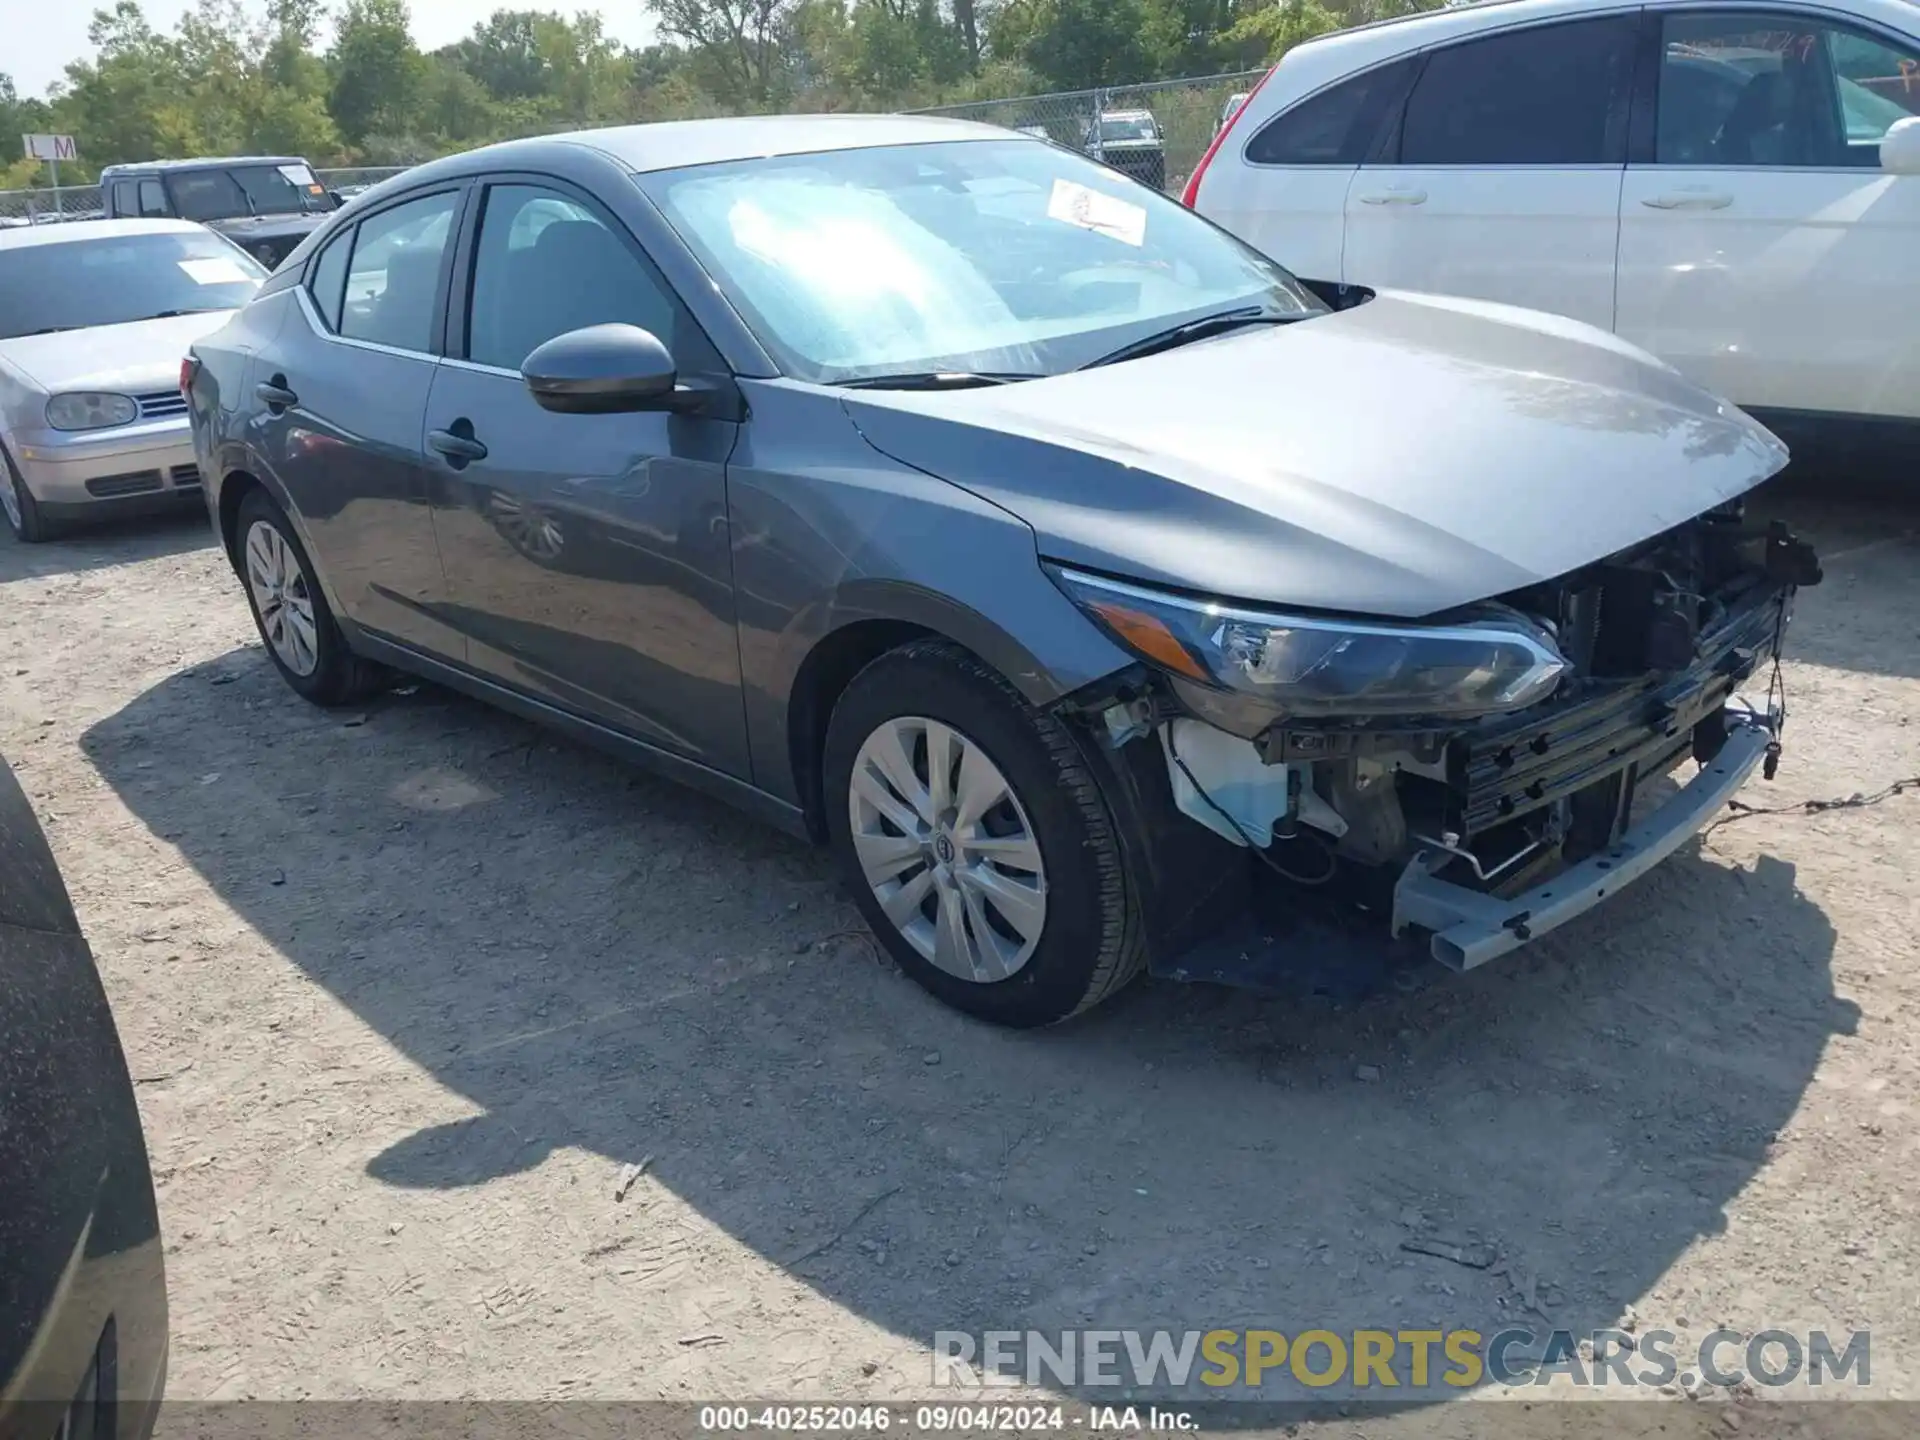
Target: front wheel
x,y
29,526
976,840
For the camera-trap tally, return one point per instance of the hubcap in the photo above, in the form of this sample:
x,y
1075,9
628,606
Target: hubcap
x,y
947,848
282,599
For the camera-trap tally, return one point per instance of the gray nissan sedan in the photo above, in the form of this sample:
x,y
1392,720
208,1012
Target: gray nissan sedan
x,y
1106,597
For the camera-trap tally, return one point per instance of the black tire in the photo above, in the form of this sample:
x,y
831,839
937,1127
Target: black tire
x,y
1090,945
31,527
339,677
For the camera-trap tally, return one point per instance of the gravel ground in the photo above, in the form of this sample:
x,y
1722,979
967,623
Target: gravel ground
x,y
407,990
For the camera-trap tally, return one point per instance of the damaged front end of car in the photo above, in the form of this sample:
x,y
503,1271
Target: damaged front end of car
x,y
1310,797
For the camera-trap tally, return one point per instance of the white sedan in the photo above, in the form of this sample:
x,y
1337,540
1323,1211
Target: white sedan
x,y
1735,190
95,319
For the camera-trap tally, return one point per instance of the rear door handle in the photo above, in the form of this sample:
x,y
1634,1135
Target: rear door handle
x,y
274,394
1688,200
1395,196
458,444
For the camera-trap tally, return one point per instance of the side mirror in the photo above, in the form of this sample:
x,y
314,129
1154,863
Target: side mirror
x,y
1900,147
606,370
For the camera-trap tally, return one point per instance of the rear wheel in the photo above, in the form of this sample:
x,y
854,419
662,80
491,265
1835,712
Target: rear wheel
x,y
976,840
21,509
302,638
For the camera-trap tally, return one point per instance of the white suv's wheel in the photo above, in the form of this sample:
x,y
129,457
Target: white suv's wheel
x,y
976,840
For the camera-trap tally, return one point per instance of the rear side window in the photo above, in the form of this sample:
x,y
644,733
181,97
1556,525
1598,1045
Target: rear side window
x,y
393,280
1335,127
124,201
1551,95
329,279
153,199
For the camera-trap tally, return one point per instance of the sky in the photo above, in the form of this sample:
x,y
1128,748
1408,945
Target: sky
x,y
42,37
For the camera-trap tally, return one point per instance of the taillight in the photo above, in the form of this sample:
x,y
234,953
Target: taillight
x,y
1191,194
189,367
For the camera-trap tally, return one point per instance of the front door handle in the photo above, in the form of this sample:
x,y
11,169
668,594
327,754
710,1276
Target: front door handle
x,y
1395,196
275,395
457,444
1688,200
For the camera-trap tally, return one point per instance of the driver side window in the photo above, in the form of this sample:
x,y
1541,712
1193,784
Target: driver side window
x,y
1771,90
547,264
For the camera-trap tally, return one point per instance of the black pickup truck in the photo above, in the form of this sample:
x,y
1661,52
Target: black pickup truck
x,y
266,204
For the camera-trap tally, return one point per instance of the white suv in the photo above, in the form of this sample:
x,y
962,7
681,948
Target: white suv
x,y
1706,180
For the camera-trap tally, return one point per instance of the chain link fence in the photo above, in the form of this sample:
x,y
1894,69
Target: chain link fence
x,y
1156,133
40,207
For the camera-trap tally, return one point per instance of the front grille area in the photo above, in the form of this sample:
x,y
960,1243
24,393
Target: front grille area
x,y
186,477
1603,728
111,487
161,405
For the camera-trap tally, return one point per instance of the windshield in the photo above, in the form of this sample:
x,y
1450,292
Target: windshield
x,y
1001,256
74,284
247,190
1131,127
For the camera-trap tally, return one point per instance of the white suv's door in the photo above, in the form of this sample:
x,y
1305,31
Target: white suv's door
x,y
1505,180
1762,251
1285,192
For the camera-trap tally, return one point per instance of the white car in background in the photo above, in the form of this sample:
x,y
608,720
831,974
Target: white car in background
x,y
1735,188
95,320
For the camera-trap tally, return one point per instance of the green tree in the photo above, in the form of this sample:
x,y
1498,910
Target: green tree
x,y
377,71
1077,44
736,48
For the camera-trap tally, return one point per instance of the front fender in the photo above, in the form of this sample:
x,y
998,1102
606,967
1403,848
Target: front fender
x,y
829,534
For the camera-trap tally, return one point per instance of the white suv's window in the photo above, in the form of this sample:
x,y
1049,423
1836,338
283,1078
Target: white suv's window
x,y
1770,89
1550,95
1876,84
1336,126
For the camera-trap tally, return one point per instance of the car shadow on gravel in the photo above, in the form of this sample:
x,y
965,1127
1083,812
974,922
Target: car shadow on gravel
x,y
604,961
96,547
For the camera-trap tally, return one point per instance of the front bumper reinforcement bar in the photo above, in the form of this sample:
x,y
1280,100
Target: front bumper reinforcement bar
x,y
1471,927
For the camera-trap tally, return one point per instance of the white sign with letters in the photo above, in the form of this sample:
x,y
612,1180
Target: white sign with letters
x,y
50,147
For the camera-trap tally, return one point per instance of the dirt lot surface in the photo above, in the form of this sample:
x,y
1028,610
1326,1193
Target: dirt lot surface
x,y
407,989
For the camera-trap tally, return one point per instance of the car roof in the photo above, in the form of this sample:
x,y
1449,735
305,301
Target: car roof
x,y
213,162
23,236
671,144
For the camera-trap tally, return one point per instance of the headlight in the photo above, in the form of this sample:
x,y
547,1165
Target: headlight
x,y
85,410
1324,669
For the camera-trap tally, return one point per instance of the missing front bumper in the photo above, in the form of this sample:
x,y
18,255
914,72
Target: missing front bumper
x,y
1469,927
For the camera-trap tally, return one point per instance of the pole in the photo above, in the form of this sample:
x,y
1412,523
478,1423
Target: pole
x,y
60,213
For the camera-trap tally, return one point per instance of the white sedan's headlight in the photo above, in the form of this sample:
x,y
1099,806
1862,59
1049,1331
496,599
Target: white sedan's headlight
x,y
1326,668
88,410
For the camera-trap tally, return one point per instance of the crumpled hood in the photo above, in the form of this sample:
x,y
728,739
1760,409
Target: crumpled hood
x,y
125,359
1402,458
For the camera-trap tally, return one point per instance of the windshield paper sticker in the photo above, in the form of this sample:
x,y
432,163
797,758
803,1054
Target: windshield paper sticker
x,y
298,174
1104,214
217,271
